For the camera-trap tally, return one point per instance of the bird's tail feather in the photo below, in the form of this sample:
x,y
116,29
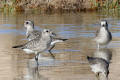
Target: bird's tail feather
x,y
60,39
18,46
64,39
89,58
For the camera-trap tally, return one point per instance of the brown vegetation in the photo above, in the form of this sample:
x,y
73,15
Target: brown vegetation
x,y
58,5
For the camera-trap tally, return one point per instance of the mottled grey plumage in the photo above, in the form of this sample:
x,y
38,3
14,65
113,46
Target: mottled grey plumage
x,y
99,65
103,35
32,34
38,44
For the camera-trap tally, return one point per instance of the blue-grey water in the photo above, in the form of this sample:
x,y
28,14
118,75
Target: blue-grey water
x,y
70,61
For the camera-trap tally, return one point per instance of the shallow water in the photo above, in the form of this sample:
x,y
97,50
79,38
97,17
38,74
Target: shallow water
x,y
70,61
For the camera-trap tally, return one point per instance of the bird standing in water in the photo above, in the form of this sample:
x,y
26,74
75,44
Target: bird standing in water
x,y
32,34
37,45
103,35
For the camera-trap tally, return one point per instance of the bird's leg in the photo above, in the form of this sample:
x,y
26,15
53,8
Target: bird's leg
x,y
98,46
36,69
36,58
52,54
50,50
106,75
97,76
51,47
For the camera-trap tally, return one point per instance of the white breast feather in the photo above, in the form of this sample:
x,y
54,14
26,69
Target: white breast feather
x,y
28,51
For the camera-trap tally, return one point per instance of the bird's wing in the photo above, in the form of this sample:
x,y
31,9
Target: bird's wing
x,y
34,34
31,44
110,35
97,32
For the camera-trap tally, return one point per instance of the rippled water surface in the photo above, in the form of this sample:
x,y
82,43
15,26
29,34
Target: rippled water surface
x,y
70,61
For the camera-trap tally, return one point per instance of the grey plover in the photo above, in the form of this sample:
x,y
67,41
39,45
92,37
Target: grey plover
x,y
38,44
99,65
32,34
103,35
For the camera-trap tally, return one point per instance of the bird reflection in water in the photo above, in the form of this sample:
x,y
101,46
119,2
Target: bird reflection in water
x,y
99,63
33,70
33,73
104,53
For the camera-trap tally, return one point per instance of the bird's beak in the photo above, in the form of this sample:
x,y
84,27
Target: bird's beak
x,y
53,34
103,25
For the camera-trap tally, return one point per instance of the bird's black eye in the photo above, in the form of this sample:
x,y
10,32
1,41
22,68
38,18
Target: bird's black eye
x,y
47,31
27,22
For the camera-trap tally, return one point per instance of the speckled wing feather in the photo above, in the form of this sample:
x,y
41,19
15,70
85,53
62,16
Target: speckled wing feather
x,y
97,32
33,44
29,45
33,35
